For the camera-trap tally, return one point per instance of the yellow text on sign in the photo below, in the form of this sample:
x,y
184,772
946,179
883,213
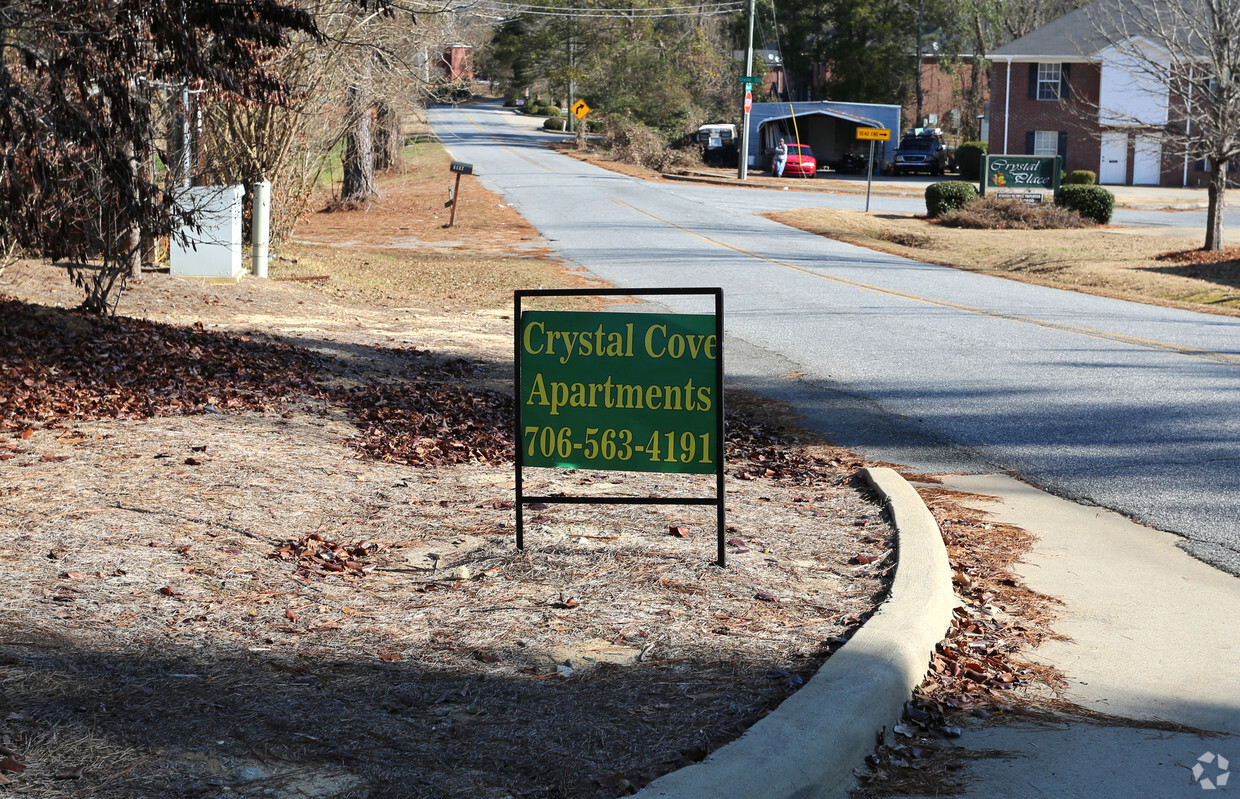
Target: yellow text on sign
x,y
580,109
874,134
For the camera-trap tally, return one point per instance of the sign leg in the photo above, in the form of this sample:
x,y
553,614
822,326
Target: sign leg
x,y
869,174
456,198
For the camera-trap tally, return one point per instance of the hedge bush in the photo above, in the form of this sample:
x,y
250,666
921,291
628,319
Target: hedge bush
x,y
1082,177
969,159
948,196
552,111
1091,202
555,123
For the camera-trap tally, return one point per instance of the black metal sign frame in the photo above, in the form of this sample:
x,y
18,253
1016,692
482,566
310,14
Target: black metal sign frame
x,y
718,500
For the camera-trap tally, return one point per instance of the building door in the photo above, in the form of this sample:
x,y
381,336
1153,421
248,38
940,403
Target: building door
x,y
1114,166
1147,160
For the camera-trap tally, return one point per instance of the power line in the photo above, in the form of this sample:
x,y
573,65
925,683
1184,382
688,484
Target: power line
x,y
713,9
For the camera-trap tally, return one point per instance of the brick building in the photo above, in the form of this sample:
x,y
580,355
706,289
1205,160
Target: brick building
x,y
944,98
457,63
1064,89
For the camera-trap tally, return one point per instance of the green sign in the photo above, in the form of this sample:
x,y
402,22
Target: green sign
x,y
622,391
1021,172
749,80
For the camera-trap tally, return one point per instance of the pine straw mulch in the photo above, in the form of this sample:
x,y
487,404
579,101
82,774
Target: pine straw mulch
x,y
237,567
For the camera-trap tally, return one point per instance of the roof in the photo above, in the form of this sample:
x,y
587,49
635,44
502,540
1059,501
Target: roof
x,y
1076,36
870,123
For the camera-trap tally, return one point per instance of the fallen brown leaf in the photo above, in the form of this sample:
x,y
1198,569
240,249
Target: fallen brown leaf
x,y
70,773
12,765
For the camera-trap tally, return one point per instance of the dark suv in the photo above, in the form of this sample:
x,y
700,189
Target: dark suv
x,y
922,150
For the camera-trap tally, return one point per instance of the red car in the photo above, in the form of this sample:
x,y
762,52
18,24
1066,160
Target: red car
x,y
801,161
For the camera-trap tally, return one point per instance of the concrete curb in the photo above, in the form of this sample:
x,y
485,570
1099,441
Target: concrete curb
x,y
810,745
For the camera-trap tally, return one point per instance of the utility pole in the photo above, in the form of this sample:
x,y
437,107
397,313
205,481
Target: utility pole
x,y
921,10
743,166
572,71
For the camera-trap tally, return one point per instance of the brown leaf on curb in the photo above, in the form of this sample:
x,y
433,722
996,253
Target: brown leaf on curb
x,y
678,531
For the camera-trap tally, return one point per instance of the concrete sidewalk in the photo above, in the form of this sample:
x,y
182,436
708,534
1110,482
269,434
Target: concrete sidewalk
x,y
1154,636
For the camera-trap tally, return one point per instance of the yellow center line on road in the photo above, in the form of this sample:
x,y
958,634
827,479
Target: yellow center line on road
x,y
1118,338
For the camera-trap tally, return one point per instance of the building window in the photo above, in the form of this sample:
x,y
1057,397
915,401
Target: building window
x,y
1049,78
1046,142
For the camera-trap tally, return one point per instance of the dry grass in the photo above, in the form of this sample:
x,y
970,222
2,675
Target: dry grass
x,y
1109,261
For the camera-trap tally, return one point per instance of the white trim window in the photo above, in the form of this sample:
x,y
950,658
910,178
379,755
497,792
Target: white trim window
x,y
1046,142
1050,76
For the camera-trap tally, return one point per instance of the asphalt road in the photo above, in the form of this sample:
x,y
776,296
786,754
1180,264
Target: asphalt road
x,y
1128,406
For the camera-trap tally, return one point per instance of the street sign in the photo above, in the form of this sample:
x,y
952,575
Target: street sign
x,y
749,80
748,102
873,134
461,168
580,109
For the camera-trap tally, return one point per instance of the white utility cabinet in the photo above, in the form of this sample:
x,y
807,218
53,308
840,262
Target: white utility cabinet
x,y
213,250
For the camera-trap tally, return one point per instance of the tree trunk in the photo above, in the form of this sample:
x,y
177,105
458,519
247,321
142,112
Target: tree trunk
x,y
388,139
1214,214
359,159
131,247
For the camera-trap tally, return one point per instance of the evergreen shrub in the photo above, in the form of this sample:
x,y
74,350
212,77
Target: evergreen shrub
x,y
947,196
1091,202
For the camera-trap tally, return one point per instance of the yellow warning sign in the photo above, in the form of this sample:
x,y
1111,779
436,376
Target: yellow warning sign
x,y
874,134
580,109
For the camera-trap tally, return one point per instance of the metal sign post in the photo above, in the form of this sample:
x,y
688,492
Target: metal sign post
x,y
459,168
871,135
748,81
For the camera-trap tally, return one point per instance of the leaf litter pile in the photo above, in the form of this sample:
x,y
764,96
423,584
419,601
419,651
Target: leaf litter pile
x,y
235,567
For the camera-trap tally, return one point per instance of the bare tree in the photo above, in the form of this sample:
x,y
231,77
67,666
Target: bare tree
x,y
1182,58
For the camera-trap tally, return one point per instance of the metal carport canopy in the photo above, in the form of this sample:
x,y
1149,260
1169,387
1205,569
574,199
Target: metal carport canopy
x,y
875,116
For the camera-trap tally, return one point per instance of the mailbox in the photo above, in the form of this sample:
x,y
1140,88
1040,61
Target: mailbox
x,y
462,168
